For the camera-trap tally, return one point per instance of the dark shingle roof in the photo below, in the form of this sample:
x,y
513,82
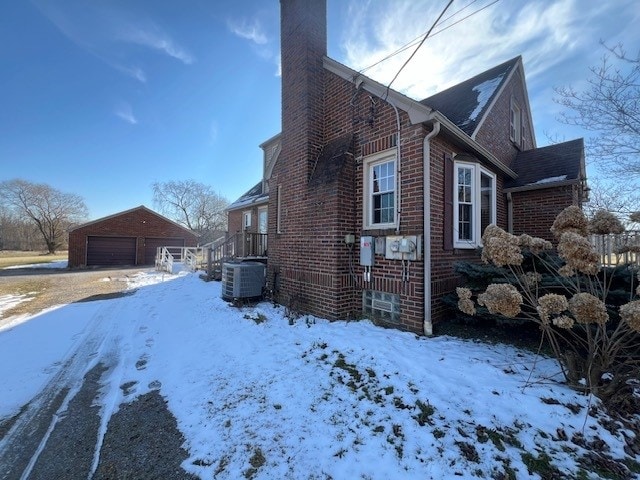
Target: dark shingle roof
x,y
466,103
548,165
253,196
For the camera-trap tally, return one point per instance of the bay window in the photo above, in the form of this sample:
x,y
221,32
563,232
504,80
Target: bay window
x,y
474,203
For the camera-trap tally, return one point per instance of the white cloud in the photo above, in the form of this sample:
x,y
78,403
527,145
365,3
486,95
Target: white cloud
x,y
124,111
250,30
152,37
107,34
545,35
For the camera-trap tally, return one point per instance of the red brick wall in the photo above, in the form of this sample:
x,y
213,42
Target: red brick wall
x,y
140,223
535,210
494,131
235,219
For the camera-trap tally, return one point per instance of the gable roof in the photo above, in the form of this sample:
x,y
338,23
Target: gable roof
x,y
466,103
131,210
562,163
418,112
255,195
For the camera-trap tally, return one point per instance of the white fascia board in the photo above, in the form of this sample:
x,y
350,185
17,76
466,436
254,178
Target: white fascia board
x,y
541,186
418,113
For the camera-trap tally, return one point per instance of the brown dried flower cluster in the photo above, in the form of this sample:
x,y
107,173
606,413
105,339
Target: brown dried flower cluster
x,y
465,304
566,271
530,279
587,308
578,252
571,219
500,247
551,304
563,321
635,217
630,313
604,222
501,298
534,244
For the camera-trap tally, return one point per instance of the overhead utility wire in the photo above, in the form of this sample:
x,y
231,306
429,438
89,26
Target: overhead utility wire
x,y
418,47
415,40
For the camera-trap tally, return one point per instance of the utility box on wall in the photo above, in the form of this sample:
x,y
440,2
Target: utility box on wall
x,y
366,251
407,247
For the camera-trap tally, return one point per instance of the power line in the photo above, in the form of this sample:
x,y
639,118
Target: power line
x,y
418,47
415,40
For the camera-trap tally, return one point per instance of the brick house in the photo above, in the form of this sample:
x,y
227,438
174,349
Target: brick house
x,y
126,238
374,196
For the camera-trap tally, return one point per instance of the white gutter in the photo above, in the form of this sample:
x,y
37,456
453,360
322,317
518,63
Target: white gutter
x,y
427,325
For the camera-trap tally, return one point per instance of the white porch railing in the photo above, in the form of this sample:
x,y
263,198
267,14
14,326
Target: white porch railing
x,y
617,249
191,257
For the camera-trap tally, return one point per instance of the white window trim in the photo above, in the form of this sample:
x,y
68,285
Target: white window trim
x,y
279,210
367,212
516,128
262,210
246,215
476,232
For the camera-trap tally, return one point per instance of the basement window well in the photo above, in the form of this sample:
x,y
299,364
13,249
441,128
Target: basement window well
x,y
381,305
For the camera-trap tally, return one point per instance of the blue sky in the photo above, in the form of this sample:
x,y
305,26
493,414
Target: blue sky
x,y
104,98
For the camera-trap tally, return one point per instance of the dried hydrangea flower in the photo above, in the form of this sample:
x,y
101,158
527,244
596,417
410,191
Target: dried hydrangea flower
x,y
465,304
551,304
500,247
604,222
630,313
534,244
635,217
571,219
501,298
587,308
578,252
566,271
563,321
530,279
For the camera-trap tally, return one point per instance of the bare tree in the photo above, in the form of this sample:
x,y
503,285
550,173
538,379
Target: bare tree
x,y
610,108
192,204
49,209
620,198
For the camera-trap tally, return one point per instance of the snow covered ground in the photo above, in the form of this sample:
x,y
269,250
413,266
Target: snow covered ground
x,y
257,395
57,264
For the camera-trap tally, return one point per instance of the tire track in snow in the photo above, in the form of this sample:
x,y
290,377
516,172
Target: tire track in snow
x,y
28,436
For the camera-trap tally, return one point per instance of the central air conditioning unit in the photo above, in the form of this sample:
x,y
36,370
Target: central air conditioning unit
x,y
242,280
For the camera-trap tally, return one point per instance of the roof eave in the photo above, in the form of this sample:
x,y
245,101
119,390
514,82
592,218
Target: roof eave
x,y
418,113
541,186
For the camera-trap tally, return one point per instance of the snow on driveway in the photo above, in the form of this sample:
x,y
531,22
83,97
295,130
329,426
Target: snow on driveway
x,y
259,396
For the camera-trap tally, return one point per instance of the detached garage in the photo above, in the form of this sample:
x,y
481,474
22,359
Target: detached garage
x,y
126,238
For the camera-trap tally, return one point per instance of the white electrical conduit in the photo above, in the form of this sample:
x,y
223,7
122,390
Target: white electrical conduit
x,y
426,176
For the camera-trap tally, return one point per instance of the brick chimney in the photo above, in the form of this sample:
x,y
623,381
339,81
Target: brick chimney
x,y
303,43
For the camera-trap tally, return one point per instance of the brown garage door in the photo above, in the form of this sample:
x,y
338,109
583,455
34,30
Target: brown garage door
x,y
152,244
111,250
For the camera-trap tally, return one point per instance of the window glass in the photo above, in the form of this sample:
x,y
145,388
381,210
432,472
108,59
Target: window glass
x,y
487,189
475,204
382,202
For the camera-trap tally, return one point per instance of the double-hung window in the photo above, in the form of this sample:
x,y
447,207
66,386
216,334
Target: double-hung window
x,y
380,190
246,219
474,203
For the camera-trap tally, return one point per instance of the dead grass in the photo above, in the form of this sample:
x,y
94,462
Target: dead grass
x,y
10,258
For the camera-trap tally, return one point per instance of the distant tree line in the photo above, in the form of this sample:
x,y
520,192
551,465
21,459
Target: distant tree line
x,y
36,216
